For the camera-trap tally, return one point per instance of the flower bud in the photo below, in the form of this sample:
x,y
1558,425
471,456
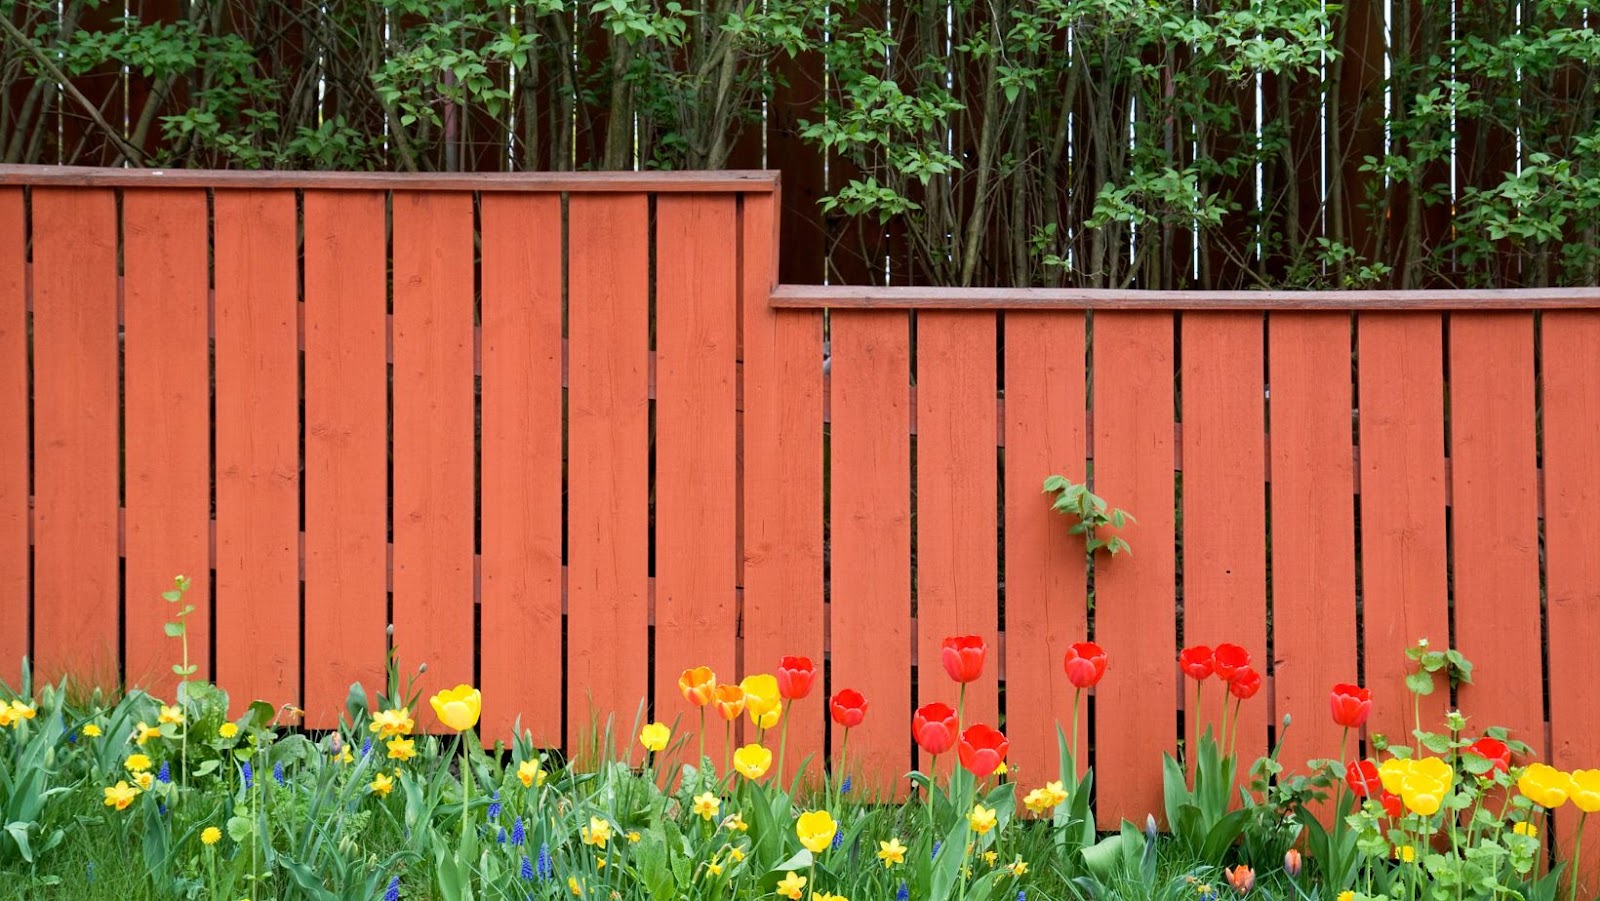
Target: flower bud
x,y
1292,863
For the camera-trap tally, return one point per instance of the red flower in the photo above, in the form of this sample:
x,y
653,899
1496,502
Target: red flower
x,y
1362,777
934,726
963,657
1494,750
1350,705
1196,662
849,708
1085,664
1228,658
795,675
1393,808
983,750
1245,683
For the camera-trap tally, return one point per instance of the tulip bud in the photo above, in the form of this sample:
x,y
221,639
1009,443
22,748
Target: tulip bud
x,y
423,668
1150,826
389,630
1292,863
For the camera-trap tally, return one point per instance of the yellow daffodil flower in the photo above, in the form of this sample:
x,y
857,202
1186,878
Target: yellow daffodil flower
x,y
401,748
981,819
792,885
173,715
706,805
891,852
120,795
597,833
382,784
389,723
530,772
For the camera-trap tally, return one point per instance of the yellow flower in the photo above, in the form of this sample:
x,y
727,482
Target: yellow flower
x,y
989,857
633,839
7,718
1405,853
1527,829
891,852
1585,791
344,755
144,781
1019,867
211,835
137,762
597,833
530,772
572,886
1544,785
1056,791
714,868
173,715
228,730
706,805
981,819
1001,770
401,748
791,886
23,711
392,722
752,761
816,830
458,707
1346,895
654,737
121,795
382,784
143,733
761,700
736,853
735,822
600,863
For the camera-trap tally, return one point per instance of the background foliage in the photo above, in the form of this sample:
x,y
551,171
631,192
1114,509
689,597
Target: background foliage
x,y
1109,143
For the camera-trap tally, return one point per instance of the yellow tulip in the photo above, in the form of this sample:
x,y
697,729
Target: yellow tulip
x,y
1585,791
1544,785
761,698
769,719
697,685
1393,772
655,736
816,830
458,707
752,761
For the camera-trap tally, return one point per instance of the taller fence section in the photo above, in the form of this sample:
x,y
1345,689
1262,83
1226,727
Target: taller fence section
x,y
565,435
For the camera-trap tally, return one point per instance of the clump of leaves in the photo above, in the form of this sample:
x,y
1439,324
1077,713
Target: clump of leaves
x,y
1076,501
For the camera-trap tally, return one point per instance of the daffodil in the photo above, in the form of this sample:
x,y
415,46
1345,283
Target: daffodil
x,y
981,819
1019,867
120,795
816,829
392,722
382,784
633,839
714,868
706,805
144,780
143,733
655,736
401,748
173,715
891,852
989,857
458,707
735,823
792,885
530,772
597,833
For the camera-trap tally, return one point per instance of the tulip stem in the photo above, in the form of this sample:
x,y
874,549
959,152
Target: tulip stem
x,y
727,750
783,744
961,708
466,794
1199,720
838,799
1077,697
700,762
1577,853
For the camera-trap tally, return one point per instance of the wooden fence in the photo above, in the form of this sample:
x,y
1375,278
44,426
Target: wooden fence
x,y
562,433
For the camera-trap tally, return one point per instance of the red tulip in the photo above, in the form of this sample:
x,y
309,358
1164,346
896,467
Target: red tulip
x,y
983,750
1362,777
849,708
1196,662
1245,683
1350,705
963,657
1393,807
1494,750
934,726
1085,664
1227,659
795,675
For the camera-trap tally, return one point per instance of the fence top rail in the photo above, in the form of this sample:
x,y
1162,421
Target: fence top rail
x,y
845,297
733,180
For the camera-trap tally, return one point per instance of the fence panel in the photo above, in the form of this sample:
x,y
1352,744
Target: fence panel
x,y
15,513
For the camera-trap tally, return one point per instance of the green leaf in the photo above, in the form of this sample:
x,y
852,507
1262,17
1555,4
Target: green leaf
x,y
1420,683
173,630
172,595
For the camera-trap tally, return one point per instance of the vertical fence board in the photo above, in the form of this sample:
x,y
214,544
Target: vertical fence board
x,y
870,594
433,437
14,550
75,435
697,296
1136,704
957,590
1045,432
520,654
1400,358
1313,525
167,376
258,454
347,448
1224,507
782,481
1495,521
607,446
1571,449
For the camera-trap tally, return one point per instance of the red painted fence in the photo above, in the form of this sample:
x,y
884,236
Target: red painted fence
x,y
562,433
